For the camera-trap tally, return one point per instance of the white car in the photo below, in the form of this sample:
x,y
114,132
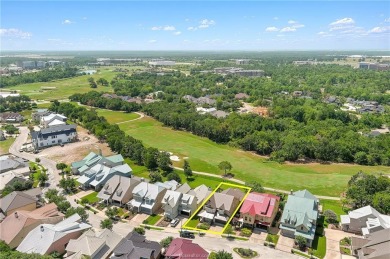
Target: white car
x,y
174,222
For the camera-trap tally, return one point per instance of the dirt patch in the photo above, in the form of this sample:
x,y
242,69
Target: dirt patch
x,y
163,223
76,151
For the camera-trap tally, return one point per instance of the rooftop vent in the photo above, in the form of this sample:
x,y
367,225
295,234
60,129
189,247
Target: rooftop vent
x,y
16,215
42,228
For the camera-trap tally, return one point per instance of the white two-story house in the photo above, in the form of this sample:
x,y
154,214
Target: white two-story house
x,y
147,198
53,120
170,204
52,136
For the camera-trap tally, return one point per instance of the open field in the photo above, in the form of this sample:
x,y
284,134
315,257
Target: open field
x,y
205,155
115,117
63,88
5,144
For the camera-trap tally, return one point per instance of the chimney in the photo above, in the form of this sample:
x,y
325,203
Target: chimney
x,y
42,228
142,179
100,152
291,191
16,215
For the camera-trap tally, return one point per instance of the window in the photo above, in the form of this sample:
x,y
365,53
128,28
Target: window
x,y
250,220
246,218
53,141
301,228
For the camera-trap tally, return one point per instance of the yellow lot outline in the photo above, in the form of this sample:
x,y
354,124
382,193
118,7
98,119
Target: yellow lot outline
x,y
204,202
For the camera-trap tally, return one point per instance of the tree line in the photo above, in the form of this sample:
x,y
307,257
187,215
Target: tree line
x,y
16,103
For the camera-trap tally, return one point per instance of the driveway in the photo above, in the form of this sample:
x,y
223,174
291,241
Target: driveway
x,y
333,238
285,244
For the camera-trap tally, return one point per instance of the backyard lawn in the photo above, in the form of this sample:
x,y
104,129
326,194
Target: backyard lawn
x,y
63,88
336,206
116,117
5,145
205,155
152,219
92,197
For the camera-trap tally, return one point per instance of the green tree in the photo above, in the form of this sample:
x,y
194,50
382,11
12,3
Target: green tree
x,y
187,169
174,176
79,210
106,223
102,81
92,82
112,212
246,232
43,177
155,177
222,254
61,166
166,241
68,184
164,162
300,241
225,166
256,187
330,216
37,160
381,202
140,230
150,158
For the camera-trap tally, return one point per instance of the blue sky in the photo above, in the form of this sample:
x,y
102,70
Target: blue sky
x,y
197,25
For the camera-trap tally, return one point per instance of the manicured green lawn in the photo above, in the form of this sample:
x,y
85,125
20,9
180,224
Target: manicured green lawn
x,y
36,174
336,206
205,155
193,223
5,145
319,246
115,117
91,197
153,219
275,238
63,88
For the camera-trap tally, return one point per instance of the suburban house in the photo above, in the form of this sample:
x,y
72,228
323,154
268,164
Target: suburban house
x,y
8,163
201,192
300,215
11,117
169,185
147,198
220,207
52,120
259,210
10,178
21,222
135,245
188,202
94,245
118,190
365,220
39,113
55,135
374,246
184,249
170,204
17,201
96,170
48,238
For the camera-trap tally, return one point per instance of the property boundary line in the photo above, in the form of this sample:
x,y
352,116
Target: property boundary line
x,y
208,198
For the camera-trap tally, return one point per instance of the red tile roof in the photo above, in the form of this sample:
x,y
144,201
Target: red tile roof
x,y
184,248
259,204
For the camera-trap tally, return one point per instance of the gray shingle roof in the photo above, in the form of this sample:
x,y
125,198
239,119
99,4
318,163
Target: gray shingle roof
x,y
16,200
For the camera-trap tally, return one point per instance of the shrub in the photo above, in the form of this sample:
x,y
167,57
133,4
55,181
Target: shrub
x,y
246,232
166,242
330,216
204,226
140,230
300,241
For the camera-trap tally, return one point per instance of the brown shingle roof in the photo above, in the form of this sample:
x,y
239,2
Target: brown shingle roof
x,y
16,200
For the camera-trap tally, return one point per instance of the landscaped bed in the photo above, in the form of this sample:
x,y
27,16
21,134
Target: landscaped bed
x,y
245,252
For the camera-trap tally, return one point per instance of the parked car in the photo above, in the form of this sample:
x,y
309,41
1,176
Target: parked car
x,y
187,234
174,222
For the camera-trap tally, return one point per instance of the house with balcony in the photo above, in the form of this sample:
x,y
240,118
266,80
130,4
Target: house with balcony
x,y
118,190
55,135
219,208
53,119
147,198
170,204
365,220
259,210
300,215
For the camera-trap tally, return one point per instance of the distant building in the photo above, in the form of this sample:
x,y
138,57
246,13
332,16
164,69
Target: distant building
x,y
238,71
162,63
115,61
11,117
54,63
7,94
305,62
374,66
39,113
28,65
242,61
55,135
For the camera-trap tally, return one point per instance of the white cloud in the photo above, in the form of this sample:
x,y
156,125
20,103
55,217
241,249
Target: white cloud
x,y
187,20
288,29
67,22
191,28
276,18
84,18
164,28
205,23
387,20
54,40
271,29
343,22
152,41
292,22
177,33
15,33
380,29
322,33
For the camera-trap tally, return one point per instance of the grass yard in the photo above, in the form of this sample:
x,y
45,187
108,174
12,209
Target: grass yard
x,y
92,197
5,145
193,223
63,88
274,238
116,117
152,219
205,155
36,174
336,206
319,246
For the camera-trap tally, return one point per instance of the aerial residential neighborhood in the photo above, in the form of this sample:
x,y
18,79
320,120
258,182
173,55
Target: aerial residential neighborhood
x,y
194,129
